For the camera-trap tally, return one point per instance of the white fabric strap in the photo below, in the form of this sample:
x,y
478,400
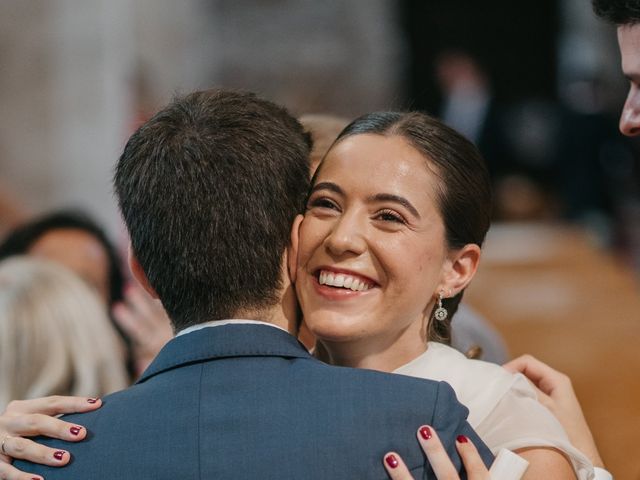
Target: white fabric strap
x,y
508,466
602,474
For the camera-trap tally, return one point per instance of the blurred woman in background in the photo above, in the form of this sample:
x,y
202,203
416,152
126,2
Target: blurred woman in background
x,y
55,336
73,239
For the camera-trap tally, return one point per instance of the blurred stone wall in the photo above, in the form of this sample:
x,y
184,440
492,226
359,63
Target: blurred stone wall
x,y
77,76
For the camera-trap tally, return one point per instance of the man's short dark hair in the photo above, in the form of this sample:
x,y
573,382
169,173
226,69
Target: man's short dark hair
x,y
619,12
208,189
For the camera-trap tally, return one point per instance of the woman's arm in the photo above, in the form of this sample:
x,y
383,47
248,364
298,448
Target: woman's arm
x,y
546,463
29,418
555,391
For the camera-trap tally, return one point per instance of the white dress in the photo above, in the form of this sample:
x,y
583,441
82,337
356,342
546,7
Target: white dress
x,y
503,408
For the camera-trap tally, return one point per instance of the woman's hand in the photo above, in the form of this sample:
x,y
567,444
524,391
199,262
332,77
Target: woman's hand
x,y
439,459
28,418
555,391
145,322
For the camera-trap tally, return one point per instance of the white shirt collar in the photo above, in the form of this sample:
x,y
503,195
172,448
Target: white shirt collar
x,y
219,323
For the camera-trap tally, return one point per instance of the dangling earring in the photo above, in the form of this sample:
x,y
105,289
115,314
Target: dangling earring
x,y
441,313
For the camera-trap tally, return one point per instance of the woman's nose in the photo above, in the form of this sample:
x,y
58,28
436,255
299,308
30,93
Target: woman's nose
x,y
347,236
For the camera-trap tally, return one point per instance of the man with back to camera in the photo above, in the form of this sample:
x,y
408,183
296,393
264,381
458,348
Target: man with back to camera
x,y
208,189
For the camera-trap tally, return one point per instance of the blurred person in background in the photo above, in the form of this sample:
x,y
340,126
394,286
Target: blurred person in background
x,y
626,15
74,240
11,211
55,338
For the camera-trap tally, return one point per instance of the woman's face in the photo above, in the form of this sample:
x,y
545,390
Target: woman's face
x,y
372,253
80,252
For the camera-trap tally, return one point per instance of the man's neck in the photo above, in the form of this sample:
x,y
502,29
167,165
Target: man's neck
x,y
273,316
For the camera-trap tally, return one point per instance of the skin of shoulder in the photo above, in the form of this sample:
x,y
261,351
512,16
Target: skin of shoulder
x,y
547,463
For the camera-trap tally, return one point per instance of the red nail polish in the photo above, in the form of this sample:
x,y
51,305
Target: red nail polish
x,y
75,430
462,439
58,455
92,400
392,461
425,432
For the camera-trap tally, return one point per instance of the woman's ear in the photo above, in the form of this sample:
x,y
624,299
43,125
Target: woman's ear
x,y
292,251
138,273
460,268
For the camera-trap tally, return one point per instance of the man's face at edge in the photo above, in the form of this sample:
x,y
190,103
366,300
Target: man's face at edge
x,y
629,42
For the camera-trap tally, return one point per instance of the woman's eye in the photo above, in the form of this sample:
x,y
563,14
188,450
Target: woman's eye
x,y
322,202
389,216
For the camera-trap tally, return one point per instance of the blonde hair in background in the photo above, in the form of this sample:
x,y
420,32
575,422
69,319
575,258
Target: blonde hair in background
x,y
55,336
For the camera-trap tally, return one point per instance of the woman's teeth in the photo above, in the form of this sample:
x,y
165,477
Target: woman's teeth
x,y
342,280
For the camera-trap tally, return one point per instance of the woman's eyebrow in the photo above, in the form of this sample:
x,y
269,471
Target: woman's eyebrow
x,y
327,186
389,197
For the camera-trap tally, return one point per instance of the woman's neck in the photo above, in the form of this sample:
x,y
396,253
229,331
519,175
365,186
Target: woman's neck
x,y
384,354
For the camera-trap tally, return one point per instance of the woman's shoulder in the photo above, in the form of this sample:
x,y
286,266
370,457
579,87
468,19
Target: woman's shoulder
x,y
442,362
479,385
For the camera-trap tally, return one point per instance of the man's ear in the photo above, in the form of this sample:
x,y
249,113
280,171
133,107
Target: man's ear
x,y
292,250
138,273
461,267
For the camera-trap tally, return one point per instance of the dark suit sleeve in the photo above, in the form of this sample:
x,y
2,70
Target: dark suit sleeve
x,y
450,420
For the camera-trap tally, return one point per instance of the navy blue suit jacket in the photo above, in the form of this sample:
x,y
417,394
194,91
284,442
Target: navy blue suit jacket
x,y
249,402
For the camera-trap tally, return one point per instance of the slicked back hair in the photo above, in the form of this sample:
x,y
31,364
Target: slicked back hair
x,y
618,12
208,189
464,196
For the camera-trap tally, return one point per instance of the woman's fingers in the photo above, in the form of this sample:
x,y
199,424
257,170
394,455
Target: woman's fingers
x,y
395,467
546,378
9,472
15,448
32,424
53,405
27,418
473,464
438,457
436,454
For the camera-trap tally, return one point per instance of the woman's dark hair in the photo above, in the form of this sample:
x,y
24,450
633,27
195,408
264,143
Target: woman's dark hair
x,y
464,195
20,240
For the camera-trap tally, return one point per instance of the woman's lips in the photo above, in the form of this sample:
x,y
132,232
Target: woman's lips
x,y
339,284
344,280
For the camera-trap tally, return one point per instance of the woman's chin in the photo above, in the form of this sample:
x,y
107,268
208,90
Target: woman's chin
x,y
332,331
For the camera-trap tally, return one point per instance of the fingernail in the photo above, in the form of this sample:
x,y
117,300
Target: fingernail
x,y
58,455
392,461
75,430
92,400
462,439
425,432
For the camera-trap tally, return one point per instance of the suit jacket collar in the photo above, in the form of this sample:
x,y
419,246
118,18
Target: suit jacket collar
x,y
239,340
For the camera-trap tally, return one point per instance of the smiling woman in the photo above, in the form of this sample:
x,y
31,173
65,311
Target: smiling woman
x,y
392,232
386,231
